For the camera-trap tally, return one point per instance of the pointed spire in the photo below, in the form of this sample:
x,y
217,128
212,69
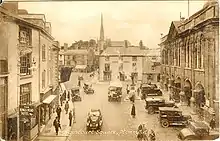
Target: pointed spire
x,y
102,29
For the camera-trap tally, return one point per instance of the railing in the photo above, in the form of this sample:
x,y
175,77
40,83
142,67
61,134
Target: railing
x,y
3,67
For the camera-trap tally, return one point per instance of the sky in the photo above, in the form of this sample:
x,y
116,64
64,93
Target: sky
x,y
122,20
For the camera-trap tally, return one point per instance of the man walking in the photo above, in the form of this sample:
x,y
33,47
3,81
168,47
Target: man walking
x,y
56,124
70,117
74,115
128,90
67,107
58,111
133,113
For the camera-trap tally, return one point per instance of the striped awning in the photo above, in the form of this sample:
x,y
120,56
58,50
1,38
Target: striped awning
x,y
49,99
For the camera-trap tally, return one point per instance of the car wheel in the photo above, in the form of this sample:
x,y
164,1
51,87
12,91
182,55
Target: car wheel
x,y
151,110
164,123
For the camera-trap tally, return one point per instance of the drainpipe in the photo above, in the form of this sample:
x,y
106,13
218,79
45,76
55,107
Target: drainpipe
x,y
39,113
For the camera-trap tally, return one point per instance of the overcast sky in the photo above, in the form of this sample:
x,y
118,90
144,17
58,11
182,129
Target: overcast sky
x,y
127,20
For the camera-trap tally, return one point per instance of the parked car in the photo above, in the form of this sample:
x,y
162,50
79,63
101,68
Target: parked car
x,y
88,88
172,116
94,120
76,94
153,104
115,91
198,130
150,89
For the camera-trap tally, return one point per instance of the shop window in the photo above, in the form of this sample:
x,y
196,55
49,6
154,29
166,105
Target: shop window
x,y
25,93
107,67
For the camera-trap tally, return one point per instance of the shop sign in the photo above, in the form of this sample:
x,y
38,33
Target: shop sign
x,y
26,110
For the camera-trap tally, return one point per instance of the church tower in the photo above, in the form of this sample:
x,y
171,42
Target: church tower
x,y
101,40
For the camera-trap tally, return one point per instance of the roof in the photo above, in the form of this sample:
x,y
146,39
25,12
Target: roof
x,y
80,67
198,124
134,51
119,43
152,52
33,16
76,51
18,18
169,109
177,24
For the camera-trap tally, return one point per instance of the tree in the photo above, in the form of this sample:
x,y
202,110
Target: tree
x,y
92,43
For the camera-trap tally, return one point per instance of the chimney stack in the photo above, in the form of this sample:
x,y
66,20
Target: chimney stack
x,y
65,46
11,7
126,43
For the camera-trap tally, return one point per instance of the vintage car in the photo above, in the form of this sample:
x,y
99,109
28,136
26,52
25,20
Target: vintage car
x,y
76,94
172,116
94,120
88,88
150,89
198,130
153,104
115,91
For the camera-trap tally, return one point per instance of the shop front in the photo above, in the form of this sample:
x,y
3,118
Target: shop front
x,y
48,107
29,117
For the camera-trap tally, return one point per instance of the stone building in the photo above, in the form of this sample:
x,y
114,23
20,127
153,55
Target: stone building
x,y
26,71
190,53
152,65
121,63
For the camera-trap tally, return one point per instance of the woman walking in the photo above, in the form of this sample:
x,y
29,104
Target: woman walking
x,y
133,112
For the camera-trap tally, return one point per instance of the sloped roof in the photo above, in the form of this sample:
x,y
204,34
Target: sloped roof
x,y
119,43
135,51
176,25
152,52
76,51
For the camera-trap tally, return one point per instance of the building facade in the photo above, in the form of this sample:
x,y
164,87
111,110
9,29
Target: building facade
x,y
152,66
189,55
121,63
26,67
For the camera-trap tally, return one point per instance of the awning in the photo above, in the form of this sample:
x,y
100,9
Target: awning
x,y
49,99
80,67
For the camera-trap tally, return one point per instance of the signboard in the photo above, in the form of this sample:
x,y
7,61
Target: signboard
x,y
26,110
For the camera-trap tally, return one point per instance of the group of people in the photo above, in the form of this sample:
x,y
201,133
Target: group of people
x,y
144,135
56,122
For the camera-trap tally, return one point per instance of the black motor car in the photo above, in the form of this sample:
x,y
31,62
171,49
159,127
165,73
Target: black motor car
x,y
198,130
115,91
172,116
94,120
76,94
150,89
153,104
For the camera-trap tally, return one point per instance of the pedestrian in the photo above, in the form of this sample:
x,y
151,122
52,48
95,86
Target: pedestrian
x,y
56,124
74,115
128,89
58,110
61,100
70,117
212,123
138,91
133,113
66,107
79,83
68,95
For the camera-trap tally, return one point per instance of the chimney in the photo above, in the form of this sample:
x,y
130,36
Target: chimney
x,y
126,43
11,7
182,19
65,46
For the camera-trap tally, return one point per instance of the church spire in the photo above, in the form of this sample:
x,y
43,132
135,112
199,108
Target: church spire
x,y
102,29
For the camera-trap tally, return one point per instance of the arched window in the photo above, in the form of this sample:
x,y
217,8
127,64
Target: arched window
x,y
196,52
200,54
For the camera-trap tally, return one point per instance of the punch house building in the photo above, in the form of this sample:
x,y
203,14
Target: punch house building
x,y
190,54
27,84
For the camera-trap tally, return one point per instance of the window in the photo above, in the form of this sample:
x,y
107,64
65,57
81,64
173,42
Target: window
x,y
68,57
153,68
107,67
73,58
25,35
25,93
68,62
43,52
43,78
3,66
134,64
107,58
25,61
134,58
